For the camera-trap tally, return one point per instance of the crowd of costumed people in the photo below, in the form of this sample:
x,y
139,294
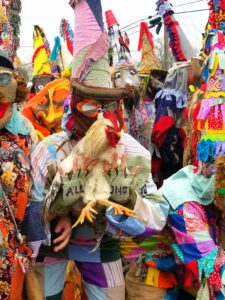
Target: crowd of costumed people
x,y
111,173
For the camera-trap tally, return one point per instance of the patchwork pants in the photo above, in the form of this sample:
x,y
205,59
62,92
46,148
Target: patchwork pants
x,y
102,281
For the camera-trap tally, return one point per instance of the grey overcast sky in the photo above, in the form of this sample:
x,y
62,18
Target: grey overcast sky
x,y
48,13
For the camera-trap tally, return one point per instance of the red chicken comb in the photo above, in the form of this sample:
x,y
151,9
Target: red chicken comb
x,y
113,118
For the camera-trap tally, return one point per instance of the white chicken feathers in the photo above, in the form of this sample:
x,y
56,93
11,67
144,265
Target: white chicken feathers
x,y
96,146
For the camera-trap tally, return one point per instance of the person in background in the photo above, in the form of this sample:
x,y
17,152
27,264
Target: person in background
x,y
15,181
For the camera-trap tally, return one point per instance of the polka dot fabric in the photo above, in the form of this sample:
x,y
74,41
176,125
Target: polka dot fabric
x,y
215,118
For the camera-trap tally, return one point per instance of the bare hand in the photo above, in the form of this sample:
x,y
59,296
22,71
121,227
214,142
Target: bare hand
x,y
64,228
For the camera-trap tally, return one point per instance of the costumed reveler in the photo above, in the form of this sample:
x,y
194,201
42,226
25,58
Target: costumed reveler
x,y
45,106
188,245
139,109
122,67
69,196
16,144
152,78
168,134
207,114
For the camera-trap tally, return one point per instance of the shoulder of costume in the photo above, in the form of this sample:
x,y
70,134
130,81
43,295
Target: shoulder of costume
x,y
27,123
133,147
57,139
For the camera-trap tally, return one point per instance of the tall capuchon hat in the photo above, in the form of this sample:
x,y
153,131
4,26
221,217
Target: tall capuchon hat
x,y
14,10
119,52
6,41
41,57
149,60
67,36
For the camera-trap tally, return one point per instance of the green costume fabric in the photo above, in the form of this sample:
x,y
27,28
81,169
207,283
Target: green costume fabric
x,y
185,186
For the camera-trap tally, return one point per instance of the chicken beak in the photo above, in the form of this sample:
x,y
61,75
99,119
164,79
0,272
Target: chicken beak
x,y
118,134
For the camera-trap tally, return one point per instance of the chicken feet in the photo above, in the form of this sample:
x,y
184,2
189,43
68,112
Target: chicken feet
x,y
87,213
118,209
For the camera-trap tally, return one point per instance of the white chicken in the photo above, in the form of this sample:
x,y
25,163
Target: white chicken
x,y
99,143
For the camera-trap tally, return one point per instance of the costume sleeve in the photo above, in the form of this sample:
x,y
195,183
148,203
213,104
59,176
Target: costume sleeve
x,y
43,161
31,129
152,211
195,244
134,148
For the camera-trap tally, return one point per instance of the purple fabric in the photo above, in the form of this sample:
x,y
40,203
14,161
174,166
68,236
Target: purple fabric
x,y
204,109
93,273
148,232
219,148
82,253
223,81
87,29
216,111
96,8
206,247
223,112
135,253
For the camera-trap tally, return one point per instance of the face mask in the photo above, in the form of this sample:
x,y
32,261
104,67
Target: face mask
x,y
8,89
91,108
85,113
8,85
126,77
40,81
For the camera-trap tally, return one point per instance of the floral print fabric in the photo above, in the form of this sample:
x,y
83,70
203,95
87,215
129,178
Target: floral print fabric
x,y
15,186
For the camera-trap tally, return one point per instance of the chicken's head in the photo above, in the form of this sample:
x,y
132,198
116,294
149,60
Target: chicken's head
x,y
101,136
113,131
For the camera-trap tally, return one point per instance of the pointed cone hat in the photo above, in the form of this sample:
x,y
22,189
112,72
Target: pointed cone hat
x,y
15,8
66,55
119,52
186,46
41,57
110,19
67,34
149,60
